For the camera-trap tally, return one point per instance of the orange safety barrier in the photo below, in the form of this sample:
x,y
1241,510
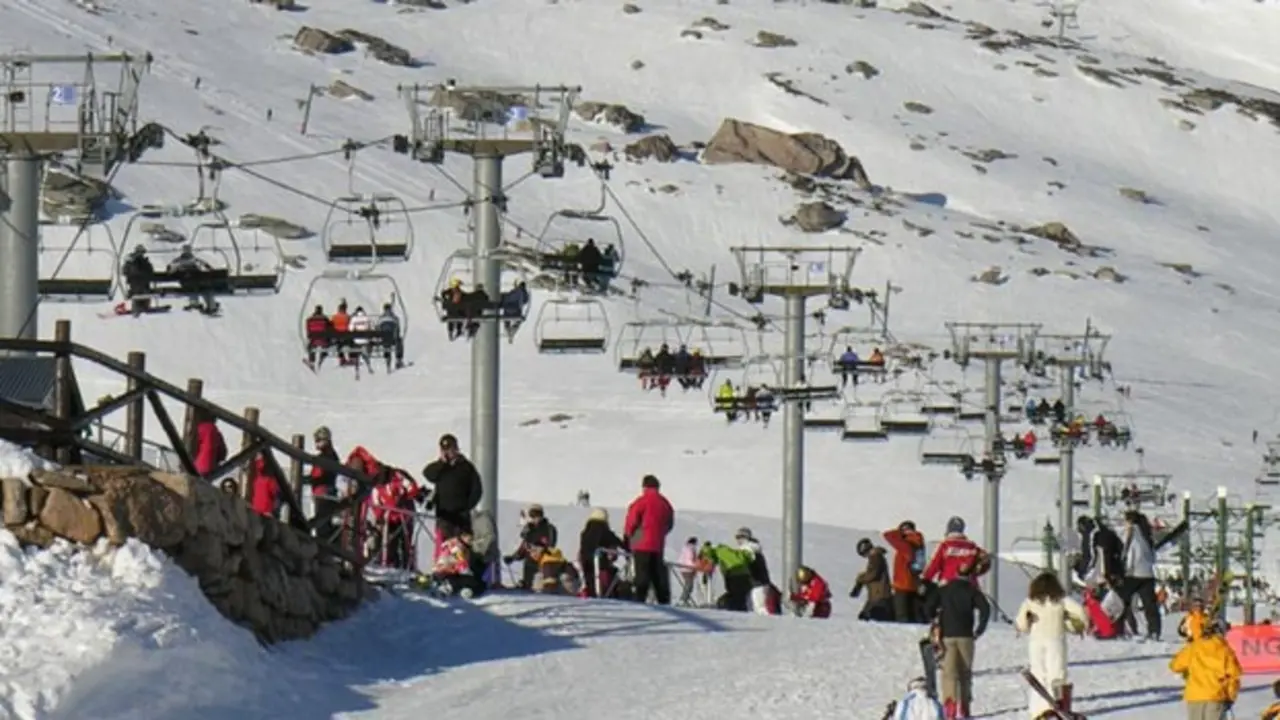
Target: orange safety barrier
x,y
1257,647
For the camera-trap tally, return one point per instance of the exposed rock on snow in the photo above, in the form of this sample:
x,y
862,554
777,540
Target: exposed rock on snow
x,y
766,39
863,68
630,8
993,275
380,49
274,226
255,570
654,147
815,217
341,89
709,23
803,153
315,40
1059,233
72,199
614,114
1106,273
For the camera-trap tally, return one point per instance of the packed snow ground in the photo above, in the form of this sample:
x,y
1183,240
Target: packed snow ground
x,y
1192,344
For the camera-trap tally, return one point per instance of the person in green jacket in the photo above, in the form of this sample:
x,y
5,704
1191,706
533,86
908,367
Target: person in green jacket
x,y
735,565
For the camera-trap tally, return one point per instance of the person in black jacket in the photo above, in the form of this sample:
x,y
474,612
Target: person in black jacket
x,y
1100,549
596,536
953,608
536,531
324,485
457,489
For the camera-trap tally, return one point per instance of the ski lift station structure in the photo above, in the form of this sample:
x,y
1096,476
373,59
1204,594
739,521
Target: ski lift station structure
x,y
334,285
93,256
572,323
722,344
214,241
367,228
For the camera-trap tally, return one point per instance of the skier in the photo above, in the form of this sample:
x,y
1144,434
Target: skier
x,y
187,268
650,519
594,544
1212,674
848,365
812,597
954,607
452,306
457,489
512,304
908,562
735,568
319,332
956,551
1046,616
360,326
388,326
875,579
917,704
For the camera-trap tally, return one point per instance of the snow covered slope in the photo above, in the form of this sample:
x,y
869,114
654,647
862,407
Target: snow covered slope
x,y
1074,127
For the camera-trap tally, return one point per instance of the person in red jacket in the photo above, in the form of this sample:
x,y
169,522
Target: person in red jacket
x,y
210,448
812,597
956,551
353,520
392,510
650,519
264,489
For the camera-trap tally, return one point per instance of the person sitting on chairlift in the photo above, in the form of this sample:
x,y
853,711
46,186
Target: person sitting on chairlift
x,y
848,364
318,330
361,324
589,260
188,268
512,303
392,342
475,305
340,322
452,302
138,272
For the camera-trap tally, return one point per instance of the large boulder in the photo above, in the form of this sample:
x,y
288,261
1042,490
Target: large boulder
x,y
738,141
380,49
816,217
654,147
315,40
73,199
614,114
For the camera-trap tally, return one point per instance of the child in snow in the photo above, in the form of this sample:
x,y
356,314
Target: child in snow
x,y
916,704
453,569
812,597
1046,616
1273,711
598,545
1212,673
1192,626
1101,607
555,575
687,570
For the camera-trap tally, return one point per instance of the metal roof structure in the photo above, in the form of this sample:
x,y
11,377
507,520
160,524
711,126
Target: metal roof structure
x,y
28,381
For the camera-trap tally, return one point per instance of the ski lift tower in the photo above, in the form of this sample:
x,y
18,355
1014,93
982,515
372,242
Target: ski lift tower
x,y
1071,354
54,106
795,275
495,123
993,343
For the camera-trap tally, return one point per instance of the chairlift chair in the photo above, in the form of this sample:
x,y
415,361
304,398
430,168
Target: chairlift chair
x,y
939,402
571,324
948,445
900,414
756,371
357,288
92,260
459,267
723,344
574,227
863,341
638,335
243,277
824,420
862,422
367,229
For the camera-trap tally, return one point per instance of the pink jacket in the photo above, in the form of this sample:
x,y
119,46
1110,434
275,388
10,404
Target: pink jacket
x,y
688,560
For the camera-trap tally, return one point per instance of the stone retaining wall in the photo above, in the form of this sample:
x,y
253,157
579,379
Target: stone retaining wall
x,y
257,571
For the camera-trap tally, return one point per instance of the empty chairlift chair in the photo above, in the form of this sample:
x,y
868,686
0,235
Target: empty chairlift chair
x,y
367,229
949,445
723,344
862,422
900,414
571,324
81,265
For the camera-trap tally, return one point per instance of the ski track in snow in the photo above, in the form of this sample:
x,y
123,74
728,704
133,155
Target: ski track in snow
x,y
1197,351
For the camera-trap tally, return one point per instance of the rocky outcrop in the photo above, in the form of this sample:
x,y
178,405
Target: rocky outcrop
x,y
73,199
815,217
274,226
655,147
619,116
380,49
802,153
342,90
257,571
315,40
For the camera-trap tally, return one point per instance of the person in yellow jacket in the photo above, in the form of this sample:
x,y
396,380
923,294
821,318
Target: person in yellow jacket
x,y
1192,625
1212,673
1273,710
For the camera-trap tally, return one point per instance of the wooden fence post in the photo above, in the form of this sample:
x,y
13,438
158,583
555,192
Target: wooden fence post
x,y
246,439
63,389
295,473
195,388
135,411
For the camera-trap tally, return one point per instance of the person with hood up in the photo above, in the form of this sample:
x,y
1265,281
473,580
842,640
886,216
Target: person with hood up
x,y
764,598
917,704
649,520
264,489
956,551
536,532
812,596
211,448
1139,571
908,562
735,569
874,578
1046,616
1212,674
954,607
457,489
597,545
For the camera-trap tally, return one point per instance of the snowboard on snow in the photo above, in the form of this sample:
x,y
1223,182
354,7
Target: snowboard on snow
x,y
1060,707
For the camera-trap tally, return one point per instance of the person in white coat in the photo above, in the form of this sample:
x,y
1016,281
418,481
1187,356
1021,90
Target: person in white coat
x,y
1140,571
1045,617
917,704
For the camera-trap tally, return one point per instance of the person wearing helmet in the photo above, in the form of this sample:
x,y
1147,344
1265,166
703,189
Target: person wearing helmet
x,y
812,597
453,308
697,369
324,483
956,551
874,578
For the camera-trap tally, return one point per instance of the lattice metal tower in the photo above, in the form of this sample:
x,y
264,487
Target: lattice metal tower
x,y
54,105
795,275
493,123
994,344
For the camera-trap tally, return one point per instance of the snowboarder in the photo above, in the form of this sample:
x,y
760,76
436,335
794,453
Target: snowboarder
x,y
1045,617
954,606
650,519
